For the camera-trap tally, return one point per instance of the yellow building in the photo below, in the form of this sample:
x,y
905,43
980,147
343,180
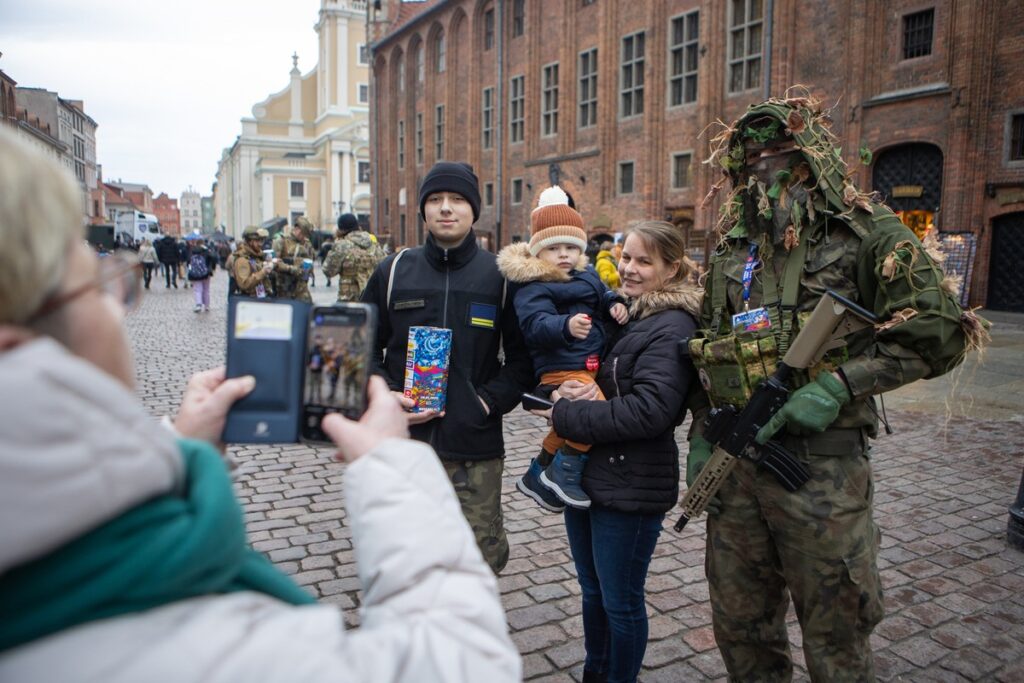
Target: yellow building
x,y
305,150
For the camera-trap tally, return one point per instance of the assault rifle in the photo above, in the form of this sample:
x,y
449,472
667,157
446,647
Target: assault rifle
x,y
732,431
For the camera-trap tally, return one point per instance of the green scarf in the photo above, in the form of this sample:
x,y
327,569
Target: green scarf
x,y
168,549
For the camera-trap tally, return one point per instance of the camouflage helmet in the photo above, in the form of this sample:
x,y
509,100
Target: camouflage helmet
x,y
803,120
303,224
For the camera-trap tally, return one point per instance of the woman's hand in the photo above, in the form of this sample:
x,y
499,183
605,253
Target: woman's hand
x,y
206,402
383,419
575,390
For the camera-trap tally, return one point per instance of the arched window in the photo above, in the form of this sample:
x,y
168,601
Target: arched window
x,y
439,52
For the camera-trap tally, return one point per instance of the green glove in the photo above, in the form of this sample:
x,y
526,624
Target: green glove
x,y
812,407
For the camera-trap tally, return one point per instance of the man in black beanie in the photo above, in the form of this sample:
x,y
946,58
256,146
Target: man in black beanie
x,y
450,283
352,258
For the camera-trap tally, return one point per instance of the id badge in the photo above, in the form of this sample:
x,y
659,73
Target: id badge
x,y
751,321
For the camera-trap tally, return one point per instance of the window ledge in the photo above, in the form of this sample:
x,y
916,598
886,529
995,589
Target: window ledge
x,y
908,94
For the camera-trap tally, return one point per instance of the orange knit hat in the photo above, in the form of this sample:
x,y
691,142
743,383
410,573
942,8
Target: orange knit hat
x,y
555,222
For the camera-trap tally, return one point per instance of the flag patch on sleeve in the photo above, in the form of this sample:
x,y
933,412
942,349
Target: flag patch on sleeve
x,y
482,315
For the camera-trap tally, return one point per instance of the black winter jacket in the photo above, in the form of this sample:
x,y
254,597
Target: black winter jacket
x,y
461,289
634,463
166,249
547,298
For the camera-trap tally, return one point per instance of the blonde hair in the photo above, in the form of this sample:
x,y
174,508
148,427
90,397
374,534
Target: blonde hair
x,y
666,241
40,217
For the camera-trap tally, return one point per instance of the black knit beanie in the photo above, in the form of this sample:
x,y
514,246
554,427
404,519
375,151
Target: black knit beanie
x,y
452,176
347,222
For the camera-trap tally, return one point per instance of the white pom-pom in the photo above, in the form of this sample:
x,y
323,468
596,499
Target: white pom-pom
x,y
552,196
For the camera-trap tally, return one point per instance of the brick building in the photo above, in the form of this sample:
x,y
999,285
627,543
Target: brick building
x,y
166,210
609,99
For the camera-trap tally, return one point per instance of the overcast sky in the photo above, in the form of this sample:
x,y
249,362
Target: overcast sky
x,y
167,82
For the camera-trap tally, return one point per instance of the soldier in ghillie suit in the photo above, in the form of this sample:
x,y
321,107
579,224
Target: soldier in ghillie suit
x,y
794,226
352,259
294,266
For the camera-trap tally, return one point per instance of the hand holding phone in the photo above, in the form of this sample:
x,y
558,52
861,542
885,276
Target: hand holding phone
x,y
382,420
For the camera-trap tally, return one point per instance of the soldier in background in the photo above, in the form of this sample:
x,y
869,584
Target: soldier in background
x,y
352,259
793,227
294,262
249,266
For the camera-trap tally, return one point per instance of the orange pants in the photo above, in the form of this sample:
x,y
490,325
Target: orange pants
x,y
552,442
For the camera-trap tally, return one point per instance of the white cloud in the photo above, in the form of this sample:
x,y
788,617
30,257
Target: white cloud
x,y
166,82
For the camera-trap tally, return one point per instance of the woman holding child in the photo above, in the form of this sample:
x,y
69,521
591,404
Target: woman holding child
x,y
631,474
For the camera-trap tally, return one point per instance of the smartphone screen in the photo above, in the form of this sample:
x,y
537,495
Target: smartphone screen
x,y
337,364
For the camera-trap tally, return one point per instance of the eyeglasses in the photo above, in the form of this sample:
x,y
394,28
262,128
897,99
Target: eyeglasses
x,y
119,276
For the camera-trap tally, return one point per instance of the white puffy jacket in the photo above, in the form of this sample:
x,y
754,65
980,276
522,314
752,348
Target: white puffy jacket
x,y
77,448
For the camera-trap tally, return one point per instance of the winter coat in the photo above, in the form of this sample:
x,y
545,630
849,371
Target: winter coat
x,y
462,290
166,249
545,301
77,450
634,463
247,270
607,269
147,254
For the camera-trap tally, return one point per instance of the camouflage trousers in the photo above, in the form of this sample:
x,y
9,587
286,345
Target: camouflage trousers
x,y
820,543
477,484
348,289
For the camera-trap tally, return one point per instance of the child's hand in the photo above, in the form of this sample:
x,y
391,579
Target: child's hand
x,y
579,325
620,313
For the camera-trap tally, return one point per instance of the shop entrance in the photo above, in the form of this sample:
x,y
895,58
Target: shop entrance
x,y
1005,285
909,178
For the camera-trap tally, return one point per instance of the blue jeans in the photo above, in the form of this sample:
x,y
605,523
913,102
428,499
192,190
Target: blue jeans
x,y
612,551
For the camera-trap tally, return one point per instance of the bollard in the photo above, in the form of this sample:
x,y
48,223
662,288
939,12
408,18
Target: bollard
x,y
1015,525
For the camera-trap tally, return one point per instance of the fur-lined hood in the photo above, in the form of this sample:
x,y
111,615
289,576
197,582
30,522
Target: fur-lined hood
x,y
680,295
517,264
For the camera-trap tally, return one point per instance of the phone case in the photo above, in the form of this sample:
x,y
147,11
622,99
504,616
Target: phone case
x,y
266,338
426,367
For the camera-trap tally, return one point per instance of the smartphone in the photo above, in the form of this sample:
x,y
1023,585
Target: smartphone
x,y
533,402
337,365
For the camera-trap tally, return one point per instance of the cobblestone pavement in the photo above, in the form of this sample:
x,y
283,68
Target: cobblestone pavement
x,y
954,591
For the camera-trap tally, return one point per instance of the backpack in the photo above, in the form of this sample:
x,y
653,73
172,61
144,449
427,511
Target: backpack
x,y
198,269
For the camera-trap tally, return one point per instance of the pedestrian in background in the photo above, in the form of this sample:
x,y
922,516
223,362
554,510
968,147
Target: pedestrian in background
x,y
183,259
325,249
450,282
607,266
123,554
167,253
201,264
294,262
147,255
249,266
352,258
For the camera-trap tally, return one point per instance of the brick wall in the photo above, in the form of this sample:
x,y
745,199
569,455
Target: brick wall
x,y
850,53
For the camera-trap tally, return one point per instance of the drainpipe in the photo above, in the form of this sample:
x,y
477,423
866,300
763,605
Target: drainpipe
x,y
769,22
374,133
499,110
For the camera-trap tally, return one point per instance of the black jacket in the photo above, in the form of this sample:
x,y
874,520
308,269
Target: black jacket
x,y
634,463
166,249
460,289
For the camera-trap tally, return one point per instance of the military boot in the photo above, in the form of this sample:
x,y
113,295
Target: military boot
x,y
564,476
530,485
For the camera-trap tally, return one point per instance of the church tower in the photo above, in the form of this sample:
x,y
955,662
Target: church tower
x,y
343,68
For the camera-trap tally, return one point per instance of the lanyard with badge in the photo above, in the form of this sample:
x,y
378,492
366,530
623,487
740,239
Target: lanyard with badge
x,y
750,320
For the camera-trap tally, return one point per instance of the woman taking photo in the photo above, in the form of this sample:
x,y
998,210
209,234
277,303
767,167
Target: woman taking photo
x,y
632,474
